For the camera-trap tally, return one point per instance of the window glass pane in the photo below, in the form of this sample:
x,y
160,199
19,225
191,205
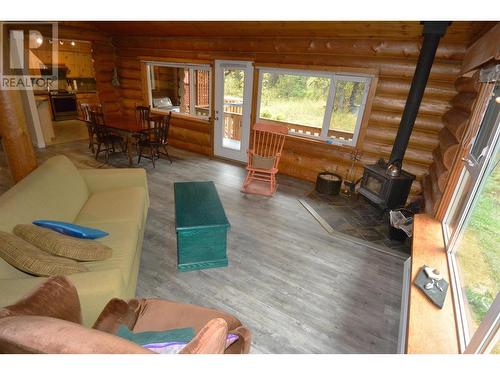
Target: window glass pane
x,y
202,92
234,83
496,348
184,91
166,87
459,202
487,126
172,90
347,107
297,100
478,250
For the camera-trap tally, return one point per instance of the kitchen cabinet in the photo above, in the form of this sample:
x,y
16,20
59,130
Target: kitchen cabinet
x,y
77,58
80,65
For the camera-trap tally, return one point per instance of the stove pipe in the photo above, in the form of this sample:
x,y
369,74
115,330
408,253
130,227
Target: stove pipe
x,y
433,31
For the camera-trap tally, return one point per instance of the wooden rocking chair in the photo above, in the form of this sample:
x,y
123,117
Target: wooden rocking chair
x,y
263,159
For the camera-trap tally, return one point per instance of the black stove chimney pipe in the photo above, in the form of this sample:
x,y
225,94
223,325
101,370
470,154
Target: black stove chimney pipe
x,y
433,31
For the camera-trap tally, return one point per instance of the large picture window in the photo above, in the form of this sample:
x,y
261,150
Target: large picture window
x,y
472,232
179,88
322,105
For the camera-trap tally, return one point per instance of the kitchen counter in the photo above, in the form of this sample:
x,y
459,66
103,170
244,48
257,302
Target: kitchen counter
x,y
45,93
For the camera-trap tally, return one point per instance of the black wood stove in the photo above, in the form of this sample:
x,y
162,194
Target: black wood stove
x,y
387,185
384,190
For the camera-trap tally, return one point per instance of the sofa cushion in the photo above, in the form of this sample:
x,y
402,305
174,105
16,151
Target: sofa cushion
x,y
8,272
116,205
53,191
61,245
123,241
30,259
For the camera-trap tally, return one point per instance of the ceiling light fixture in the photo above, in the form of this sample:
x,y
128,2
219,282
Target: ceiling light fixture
x,y
73,43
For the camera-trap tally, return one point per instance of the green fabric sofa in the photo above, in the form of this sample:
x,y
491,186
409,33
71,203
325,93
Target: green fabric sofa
x,y
114,200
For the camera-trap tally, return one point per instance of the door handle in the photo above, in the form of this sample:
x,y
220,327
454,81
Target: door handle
x,y
468,161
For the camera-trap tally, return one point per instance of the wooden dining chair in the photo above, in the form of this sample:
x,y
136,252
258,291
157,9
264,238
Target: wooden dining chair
x,y
155,140
105,139
142,115
85,109
263,159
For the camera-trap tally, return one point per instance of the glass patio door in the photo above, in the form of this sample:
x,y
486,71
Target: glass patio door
x,y
233,96
472,231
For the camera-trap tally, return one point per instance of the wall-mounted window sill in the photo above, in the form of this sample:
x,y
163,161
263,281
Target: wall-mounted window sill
x,y
430,330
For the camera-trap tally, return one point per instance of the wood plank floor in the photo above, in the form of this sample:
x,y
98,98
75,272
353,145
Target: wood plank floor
x,y
297,288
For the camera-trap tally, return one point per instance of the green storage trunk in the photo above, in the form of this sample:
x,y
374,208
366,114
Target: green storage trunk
x,y
201,225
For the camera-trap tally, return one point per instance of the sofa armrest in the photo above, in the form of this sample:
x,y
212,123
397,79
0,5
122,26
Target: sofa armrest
x,y
106,179
94,289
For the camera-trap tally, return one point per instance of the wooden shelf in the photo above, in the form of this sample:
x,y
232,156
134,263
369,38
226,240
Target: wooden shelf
x,y
430,330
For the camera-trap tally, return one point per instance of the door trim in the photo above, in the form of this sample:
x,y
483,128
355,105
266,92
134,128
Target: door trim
x,y
219,150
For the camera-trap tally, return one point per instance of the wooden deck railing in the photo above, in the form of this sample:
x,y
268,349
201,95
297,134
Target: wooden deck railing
x,y
232,119
312,131
232,124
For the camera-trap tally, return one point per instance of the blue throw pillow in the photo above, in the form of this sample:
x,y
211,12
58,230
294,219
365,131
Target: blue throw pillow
x,y
71,229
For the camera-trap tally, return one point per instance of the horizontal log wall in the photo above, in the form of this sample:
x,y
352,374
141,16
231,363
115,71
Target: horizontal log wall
x,y
103,54
395,61
455,122
392,55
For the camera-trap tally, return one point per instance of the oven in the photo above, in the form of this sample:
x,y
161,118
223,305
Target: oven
x,y
64,105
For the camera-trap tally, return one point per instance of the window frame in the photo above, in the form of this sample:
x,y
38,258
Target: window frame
x,y
481,339
334,76
192,67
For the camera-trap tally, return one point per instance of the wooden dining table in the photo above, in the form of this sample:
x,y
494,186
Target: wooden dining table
x,y
127,127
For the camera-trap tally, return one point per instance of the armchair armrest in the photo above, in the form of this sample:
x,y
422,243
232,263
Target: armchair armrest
x,y
56,297
94,289
244,342
40,334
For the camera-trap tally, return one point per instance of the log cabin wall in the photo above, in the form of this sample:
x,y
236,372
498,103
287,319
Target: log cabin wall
x,y
461,122
393,55
455,123
105,62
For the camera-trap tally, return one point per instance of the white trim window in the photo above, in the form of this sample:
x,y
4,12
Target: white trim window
x,y
471,230
314,104
180,88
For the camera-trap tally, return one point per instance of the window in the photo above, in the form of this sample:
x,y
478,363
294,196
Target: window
x,y
322,105
180,88
472,231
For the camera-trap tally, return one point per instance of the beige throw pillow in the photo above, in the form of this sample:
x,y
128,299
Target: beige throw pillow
x,y
262,162
62,245
30,259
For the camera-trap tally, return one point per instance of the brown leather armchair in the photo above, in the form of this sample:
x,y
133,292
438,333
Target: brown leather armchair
x,y
49,320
